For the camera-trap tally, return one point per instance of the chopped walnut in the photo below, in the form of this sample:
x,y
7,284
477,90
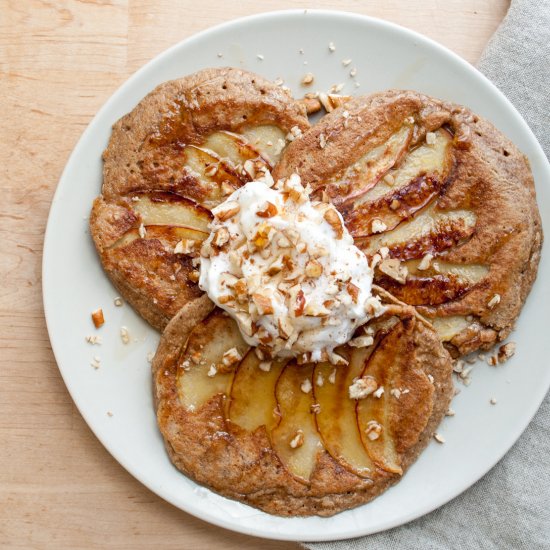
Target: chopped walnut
x,y
361,342
185,246
378,226
439,438
495,300
306,385
313,269
118,301
226,210
307,79
142,231
221,237
379,392
263,303
269,210
212,371
393,268
297,440
373,430
124,335
231,357
265,365
362,387
506,351
425,262
332,218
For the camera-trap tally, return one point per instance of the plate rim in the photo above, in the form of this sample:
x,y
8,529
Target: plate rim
x,y
276,534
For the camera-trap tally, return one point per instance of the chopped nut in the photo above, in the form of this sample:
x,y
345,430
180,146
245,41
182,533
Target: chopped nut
x,y
332,377
307,79
492,360
373,430
227,188
378,226
313,269
425,262
124,335
494,301
221,237
96,362
395,204
331,47
306,385
431,378
194,276
393,268
333,219
315,408
493,401
263,303
285,328
362,387
142,232
94,339
379,392
353,73
265,365
439,438
506,351
97,318
320,380
450,412
353,291
186,246
231,357
297,440
346,62
226,210
212,371
361,342
322,141
118,301
389,179
269,210
458,367
337,88
395,392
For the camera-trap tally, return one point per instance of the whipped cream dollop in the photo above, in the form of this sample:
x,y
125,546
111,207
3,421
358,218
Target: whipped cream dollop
x,y
286,269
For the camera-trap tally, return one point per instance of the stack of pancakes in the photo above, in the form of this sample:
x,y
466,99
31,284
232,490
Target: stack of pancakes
x,y
438,199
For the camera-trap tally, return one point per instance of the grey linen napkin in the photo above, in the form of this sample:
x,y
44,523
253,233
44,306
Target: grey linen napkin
x,y
509,508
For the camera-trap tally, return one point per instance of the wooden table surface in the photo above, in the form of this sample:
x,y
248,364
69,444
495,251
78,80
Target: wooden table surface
x,y
59,62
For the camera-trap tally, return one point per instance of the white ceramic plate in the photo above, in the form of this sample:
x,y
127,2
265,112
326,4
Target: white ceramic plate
x,y
386,56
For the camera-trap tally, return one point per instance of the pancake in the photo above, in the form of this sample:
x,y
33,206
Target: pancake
x,y
185,147
289,439
443,196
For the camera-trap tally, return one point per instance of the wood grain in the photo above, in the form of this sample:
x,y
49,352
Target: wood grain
x,y
59,62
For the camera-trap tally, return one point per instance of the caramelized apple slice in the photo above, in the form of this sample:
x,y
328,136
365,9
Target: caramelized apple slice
x,y
171,209
427,159
336,419
367,171
295,439
169,235
431,231
391,355
269,140
232,147
202,372
253,402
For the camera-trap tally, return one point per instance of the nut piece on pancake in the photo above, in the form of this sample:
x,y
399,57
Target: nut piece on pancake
x,y
298,440
183,149
440,192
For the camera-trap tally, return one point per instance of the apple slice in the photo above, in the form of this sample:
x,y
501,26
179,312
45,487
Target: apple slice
x,y
253,402
197,378
171,209
394,207
364,174
232,147
336,419
268,139
472,273
425,159
430,231
389,365
295,439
